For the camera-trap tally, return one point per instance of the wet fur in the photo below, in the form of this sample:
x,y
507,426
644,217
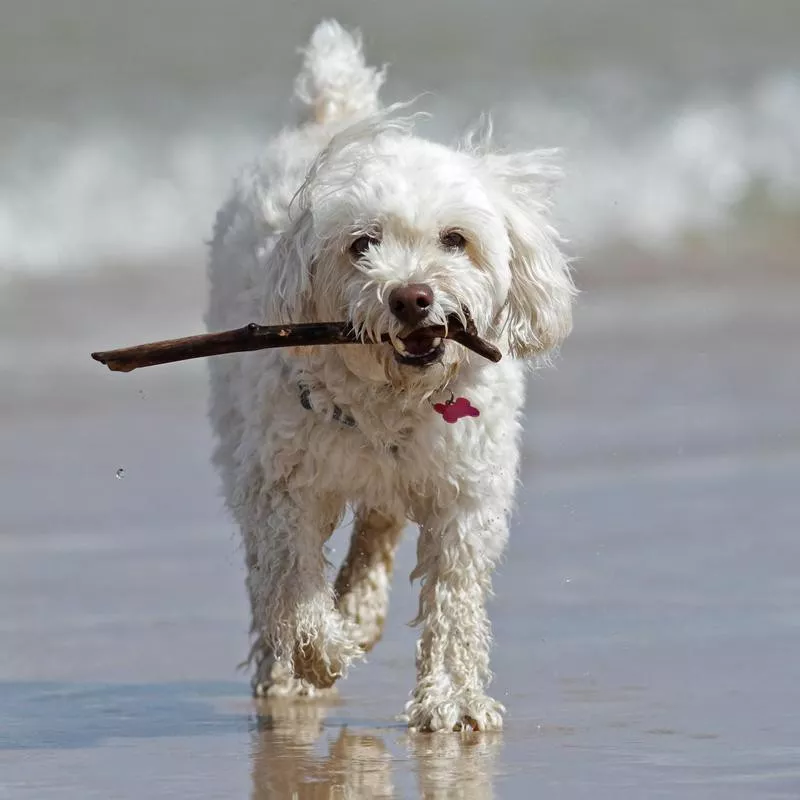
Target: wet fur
x,y
280,254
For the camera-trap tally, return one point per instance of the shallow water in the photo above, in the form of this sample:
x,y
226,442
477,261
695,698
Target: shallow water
x,y
646,617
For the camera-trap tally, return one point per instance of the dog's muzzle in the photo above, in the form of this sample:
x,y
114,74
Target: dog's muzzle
x,y
411,304
420,348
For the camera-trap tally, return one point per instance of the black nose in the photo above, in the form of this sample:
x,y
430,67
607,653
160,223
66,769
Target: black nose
x,y
410,304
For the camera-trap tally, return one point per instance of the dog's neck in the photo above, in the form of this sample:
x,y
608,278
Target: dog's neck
x,y
376,405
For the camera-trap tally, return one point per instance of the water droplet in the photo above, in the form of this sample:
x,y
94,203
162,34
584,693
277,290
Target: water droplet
x,y
567,580
120,474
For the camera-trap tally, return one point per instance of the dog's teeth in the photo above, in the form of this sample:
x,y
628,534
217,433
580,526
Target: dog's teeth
x,y
436,342
399,346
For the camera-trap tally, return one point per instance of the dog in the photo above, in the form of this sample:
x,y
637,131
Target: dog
x,y
351,216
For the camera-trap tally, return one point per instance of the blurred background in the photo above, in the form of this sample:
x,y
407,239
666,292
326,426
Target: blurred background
x,y
647,616
123,123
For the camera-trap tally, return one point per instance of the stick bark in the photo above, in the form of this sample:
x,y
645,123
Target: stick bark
x,y
262,337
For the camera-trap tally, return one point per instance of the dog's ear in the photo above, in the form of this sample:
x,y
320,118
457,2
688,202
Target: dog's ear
x,y
288,267
539,308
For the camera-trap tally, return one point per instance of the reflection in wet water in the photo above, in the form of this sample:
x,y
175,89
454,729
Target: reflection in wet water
x,y
297,755
299,750
460,766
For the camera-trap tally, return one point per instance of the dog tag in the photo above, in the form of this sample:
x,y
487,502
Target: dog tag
x,y
454,410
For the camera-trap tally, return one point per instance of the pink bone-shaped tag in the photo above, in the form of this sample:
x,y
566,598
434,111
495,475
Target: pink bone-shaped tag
x,y
454,410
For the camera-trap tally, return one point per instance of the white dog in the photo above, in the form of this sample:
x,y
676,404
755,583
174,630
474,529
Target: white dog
x,y
351,217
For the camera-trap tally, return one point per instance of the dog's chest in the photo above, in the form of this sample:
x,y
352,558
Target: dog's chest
x,y
372,461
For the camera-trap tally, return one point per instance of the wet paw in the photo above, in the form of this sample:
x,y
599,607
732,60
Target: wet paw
x,y
467,723
310,667
323,660
277,680
460,713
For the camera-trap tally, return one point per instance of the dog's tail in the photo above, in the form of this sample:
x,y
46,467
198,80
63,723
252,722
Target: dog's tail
x,y
335,83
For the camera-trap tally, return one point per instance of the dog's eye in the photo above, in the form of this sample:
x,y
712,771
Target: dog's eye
x,y
452,240
361,245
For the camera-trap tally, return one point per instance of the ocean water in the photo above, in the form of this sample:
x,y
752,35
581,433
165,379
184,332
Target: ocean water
x,y
123,123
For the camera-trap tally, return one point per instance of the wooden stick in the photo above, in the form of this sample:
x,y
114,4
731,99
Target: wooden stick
x,y
262,337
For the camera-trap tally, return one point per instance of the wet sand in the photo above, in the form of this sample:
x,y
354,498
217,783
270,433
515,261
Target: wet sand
x,y
647,616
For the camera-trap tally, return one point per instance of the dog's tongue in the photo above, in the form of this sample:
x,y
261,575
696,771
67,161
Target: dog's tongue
x,y
418,343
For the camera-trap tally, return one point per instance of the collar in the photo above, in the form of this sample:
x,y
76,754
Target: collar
x,y
337,415
451,410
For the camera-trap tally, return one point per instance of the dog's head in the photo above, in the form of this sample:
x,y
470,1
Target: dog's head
x,y
396,234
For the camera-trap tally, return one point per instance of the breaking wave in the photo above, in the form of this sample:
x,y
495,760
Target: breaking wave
x,y
692,166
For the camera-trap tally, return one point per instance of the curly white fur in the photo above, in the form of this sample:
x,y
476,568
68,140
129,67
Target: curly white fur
x,y
280,253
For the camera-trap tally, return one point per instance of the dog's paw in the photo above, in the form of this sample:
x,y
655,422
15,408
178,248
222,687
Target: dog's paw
x,y
272,679
318,668
460,712
280,682
323,659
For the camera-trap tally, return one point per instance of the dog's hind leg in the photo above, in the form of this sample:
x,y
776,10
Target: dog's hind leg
x,y
363,583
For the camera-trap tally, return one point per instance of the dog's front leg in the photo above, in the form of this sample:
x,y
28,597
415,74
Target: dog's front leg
x,y
455,558
300,640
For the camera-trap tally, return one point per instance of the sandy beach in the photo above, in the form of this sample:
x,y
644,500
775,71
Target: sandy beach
x,y
646,616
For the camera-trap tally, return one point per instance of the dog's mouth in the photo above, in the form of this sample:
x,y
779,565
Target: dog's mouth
x,y
420,348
